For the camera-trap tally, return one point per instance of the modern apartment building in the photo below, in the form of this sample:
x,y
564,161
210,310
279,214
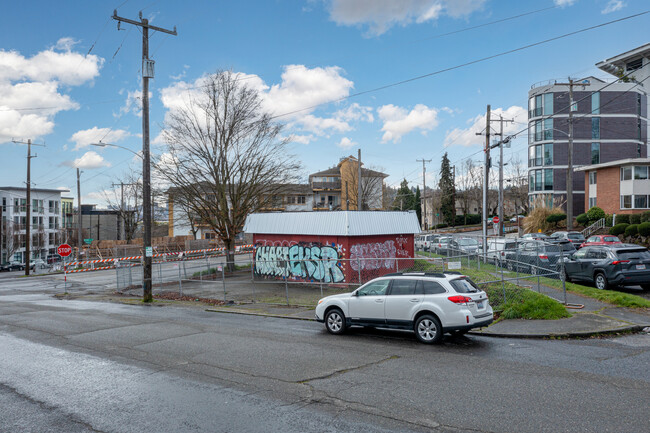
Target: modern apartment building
x,y
610,123
45,223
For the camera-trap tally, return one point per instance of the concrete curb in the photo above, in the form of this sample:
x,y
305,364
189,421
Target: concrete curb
x,y
581,334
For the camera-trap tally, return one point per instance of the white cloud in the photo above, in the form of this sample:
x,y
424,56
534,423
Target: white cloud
x,y
133,103
563,3
381,15
85,137
88,160
346,143
30,94
613,6
467,137
302,139
398,121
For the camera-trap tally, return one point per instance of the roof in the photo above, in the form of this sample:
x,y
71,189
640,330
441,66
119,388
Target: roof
x,y
15,188
336,171
617,163
337,223
620,59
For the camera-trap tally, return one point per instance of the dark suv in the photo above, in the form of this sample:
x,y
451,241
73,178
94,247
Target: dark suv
x,y
576,238
612,265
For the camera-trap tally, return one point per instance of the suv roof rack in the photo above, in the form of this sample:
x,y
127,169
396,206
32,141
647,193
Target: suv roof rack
x,y
419,274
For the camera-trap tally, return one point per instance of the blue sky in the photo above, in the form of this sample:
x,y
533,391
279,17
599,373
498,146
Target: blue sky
x,y
68,77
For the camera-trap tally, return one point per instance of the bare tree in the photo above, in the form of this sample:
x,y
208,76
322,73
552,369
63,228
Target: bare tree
x,y
518,185
224,155
11,239
128,206
372,186
464,184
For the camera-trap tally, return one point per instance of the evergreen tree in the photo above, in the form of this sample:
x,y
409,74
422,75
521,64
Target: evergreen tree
x,y
448,191
404,200
418,205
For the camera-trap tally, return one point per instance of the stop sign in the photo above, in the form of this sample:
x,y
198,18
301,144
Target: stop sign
x,y
495,220
64,250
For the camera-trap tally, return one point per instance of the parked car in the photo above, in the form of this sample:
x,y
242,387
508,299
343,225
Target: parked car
x,y
534,256
497,248
535,236
600,240
12,266
515,218
419,243
576,238
463,246
441,246
429,304
429,241
37,264
610,265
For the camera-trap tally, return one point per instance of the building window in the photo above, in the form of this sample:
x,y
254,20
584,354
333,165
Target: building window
x,y
548,103
595,127
548,179
592,202
538,180
626,201
640,201
548,154
638,104
595,103
641,172
595,153
302,199
592,178
531,181
638,128
291,200
626,173
531,156
4,204
538,156
634,65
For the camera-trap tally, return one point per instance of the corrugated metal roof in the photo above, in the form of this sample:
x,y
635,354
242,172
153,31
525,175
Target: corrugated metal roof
x,y
339,223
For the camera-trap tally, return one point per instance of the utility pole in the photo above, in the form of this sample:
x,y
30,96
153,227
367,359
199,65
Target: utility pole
x,y
500,144
79,237
28,218
359,202
147,72
424,190
569,170
486,174
122,212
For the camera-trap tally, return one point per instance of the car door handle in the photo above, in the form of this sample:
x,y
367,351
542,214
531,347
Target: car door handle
x,y
379,300
414,300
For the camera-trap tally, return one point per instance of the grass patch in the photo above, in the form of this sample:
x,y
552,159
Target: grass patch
x,y
212,271
610,296
533,305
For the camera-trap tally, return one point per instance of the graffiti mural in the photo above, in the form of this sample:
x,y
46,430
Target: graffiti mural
x,y
373,255
313,262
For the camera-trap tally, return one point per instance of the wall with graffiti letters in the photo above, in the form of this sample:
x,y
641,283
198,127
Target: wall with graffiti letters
x,y
332,259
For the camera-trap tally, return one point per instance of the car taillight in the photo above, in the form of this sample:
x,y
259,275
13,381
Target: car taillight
x,y
618,262
543,257
459,299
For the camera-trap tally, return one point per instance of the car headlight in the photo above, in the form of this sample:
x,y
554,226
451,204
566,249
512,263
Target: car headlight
x,y
320,301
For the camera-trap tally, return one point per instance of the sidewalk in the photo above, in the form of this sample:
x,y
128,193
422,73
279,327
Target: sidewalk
x,y
596,318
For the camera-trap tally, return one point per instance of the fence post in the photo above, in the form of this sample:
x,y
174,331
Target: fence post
x,y
359,267
563,274
180,283
253,274
286,289
223,280
537,269
517,264
503,285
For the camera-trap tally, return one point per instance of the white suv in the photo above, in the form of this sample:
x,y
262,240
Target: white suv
x,y
428,303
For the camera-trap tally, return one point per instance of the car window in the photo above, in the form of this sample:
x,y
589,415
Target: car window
x,y
428,287
468,242
550,248
592,254
611,239
580,254
464,285
374,288
593,239
576,236
633,254
403,287
567,246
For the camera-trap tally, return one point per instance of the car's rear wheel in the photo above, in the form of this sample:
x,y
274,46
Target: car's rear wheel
x,y
600,280
335,321
459,333
428,329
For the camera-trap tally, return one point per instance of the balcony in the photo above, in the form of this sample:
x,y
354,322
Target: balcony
x,y
535,112
335,185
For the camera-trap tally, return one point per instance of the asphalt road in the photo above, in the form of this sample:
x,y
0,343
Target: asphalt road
x,y
71,365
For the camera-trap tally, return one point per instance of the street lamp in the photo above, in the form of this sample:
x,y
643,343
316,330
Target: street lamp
x,y
146,218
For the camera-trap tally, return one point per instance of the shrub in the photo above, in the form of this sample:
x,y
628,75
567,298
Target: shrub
x,y
623,218
582,219
536,219
555,218
632,230
618,229
644,229
595,213
645,216
635,218
609,220
441,226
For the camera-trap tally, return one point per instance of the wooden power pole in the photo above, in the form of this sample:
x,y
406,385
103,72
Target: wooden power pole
x,y
424,190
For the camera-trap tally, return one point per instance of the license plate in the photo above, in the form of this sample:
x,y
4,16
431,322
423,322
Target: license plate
x,y
479,304
640,266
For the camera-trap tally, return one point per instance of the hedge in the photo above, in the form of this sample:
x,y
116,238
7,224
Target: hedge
x,y
618,229
555,218
632,230
582,219
644,229
635,218
645,216
595,213
623,218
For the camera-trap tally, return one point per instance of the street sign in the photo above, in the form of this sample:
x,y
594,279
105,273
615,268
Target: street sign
x,y
495,220
148,252
454,265
88,241
64,250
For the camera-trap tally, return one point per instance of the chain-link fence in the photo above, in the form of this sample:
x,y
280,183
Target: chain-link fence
x,y
505,270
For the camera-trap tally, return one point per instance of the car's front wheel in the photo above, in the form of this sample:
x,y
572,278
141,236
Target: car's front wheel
x,y
335,321
601,281
428,329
